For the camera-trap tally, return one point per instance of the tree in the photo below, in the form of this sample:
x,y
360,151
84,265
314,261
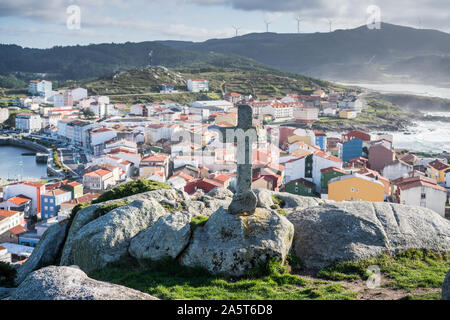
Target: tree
x,y
88,113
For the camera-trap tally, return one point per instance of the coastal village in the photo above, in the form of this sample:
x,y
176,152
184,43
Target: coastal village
x,y
106,145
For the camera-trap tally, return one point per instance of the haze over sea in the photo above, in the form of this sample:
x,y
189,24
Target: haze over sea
x,y
426,136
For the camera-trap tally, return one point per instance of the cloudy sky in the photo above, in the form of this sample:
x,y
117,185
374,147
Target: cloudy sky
x,y
47,23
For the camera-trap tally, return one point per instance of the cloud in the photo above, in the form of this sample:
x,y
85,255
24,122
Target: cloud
x,y
431,13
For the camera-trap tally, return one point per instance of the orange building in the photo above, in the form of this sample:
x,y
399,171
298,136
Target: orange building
x,y
355,187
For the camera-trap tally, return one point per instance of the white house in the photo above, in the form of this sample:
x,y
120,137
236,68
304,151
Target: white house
x,y
421,191
4,114
198,85
28,122
396,169
78,93
40,87
99,137
213,105
306,114
279,110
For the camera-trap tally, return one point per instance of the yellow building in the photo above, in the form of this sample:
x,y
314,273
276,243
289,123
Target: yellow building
x,y
347,114
437,170
355,187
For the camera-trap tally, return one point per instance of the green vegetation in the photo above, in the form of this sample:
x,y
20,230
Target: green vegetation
x,y
426,296
10,81
7,275
107,207
198,221
169,280
95,60
131,188
278,203
77,208
409,270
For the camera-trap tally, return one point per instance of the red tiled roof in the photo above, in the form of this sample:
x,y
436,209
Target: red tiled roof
x,y
55,192
18,230
98,173
325,170
19,200
7,213
412,182
155,158
438,165
327,156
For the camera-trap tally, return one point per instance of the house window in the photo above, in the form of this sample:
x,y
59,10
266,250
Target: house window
x,y
46,208
45,200
423,196
352,190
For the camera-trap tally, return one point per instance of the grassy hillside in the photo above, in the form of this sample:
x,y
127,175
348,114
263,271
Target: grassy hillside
x,y
140,85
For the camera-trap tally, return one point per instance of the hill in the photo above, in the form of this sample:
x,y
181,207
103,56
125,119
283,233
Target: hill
x,y
392,53
142,85
96,60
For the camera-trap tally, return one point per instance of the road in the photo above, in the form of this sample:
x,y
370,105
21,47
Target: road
x,y
73,159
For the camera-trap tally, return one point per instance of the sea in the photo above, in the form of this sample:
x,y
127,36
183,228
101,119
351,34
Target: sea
x,y
425,136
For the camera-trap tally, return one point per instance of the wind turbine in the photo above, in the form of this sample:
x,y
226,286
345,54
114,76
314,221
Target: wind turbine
x,y
267,25
330,21
237,29
298,19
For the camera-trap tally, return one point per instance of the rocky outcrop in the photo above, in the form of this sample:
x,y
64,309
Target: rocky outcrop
x,y
446,287
46,252
357,230
171,195
290,201
106,239
87,214
82,218
299,202
70,283
220,193
233,244
166,239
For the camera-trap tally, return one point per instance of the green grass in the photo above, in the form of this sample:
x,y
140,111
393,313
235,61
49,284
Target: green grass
x,y
426,296
131,188
198,222
168,280
409,270
277,202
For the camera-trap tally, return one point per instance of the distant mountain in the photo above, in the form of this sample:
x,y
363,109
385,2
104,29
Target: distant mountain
x,y
92,61
392,53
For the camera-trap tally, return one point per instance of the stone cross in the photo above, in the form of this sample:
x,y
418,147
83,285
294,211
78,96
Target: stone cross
x,y
244,134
